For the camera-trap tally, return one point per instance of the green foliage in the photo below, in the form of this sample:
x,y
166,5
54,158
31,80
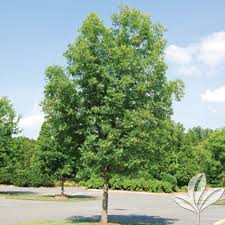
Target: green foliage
x,y
198,134
121,183
176,156
8,119
170,179
25,167
8,127
215,167
94,182
33,177
126,99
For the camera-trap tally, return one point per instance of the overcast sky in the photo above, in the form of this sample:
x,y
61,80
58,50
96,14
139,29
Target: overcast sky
x,y
35,34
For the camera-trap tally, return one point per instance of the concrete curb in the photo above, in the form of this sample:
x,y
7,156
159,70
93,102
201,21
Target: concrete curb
x,y
221,222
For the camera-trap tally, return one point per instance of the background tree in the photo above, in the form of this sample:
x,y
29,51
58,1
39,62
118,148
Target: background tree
x,y
23,150
126,98
177,158
198,134
215,167
8,126
197,137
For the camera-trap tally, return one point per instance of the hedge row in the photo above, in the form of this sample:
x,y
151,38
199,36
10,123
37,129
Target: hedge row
x,y
140,184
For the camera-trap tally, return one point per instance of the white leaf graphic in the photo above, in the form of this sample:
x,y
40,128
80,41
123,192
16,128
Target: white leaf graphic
x,y
185,202
200,187
198,198
210,197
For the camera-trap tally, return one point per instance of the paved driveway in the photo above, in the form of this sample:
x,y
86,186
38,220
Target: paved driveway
x,y
123,206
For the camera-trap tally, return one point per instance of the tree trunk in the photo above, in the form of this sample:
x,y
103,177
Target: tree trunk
x,y
104,219
62,186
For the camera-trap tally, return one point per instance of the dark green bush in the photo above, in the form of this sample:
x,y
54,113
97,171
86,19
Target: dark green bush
x,y
6,175
170,179
116,183
21,179
139,184
167,187
93,182
32,178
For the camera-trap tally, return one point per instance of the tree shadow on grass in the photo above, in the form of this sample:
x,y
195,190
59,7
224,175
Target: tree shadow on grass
x,y
131,219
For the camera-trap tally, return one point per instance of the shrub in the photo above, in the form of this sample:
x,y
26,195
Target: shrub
x,y
21,178
167,187
115,183
67,183
139,184
170,179
93,182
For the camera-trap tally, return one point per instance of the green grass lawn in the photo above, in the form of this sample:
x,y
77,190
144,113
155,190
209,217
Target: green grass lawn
x,y
69,222
37,197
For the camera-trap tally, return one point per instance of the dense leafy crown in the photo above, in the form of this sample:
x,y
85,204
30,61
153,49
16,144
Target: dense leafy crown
x,y
116,76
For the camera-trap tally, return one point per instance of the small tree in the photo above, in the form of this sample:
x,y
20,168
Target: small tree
x,y
60,138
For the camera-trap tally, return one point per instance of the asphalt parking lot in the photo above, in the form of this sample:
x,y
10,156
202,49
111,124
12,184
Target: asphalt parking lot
x,y
123,206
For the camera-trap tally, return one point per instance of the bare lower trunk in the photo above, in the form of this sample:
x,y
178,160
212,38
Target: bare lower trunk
x,y
104,219
62,186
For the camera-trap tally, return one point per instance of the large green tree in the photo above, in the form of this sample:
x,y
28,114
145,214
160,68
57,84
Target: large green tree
x,y
125,98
